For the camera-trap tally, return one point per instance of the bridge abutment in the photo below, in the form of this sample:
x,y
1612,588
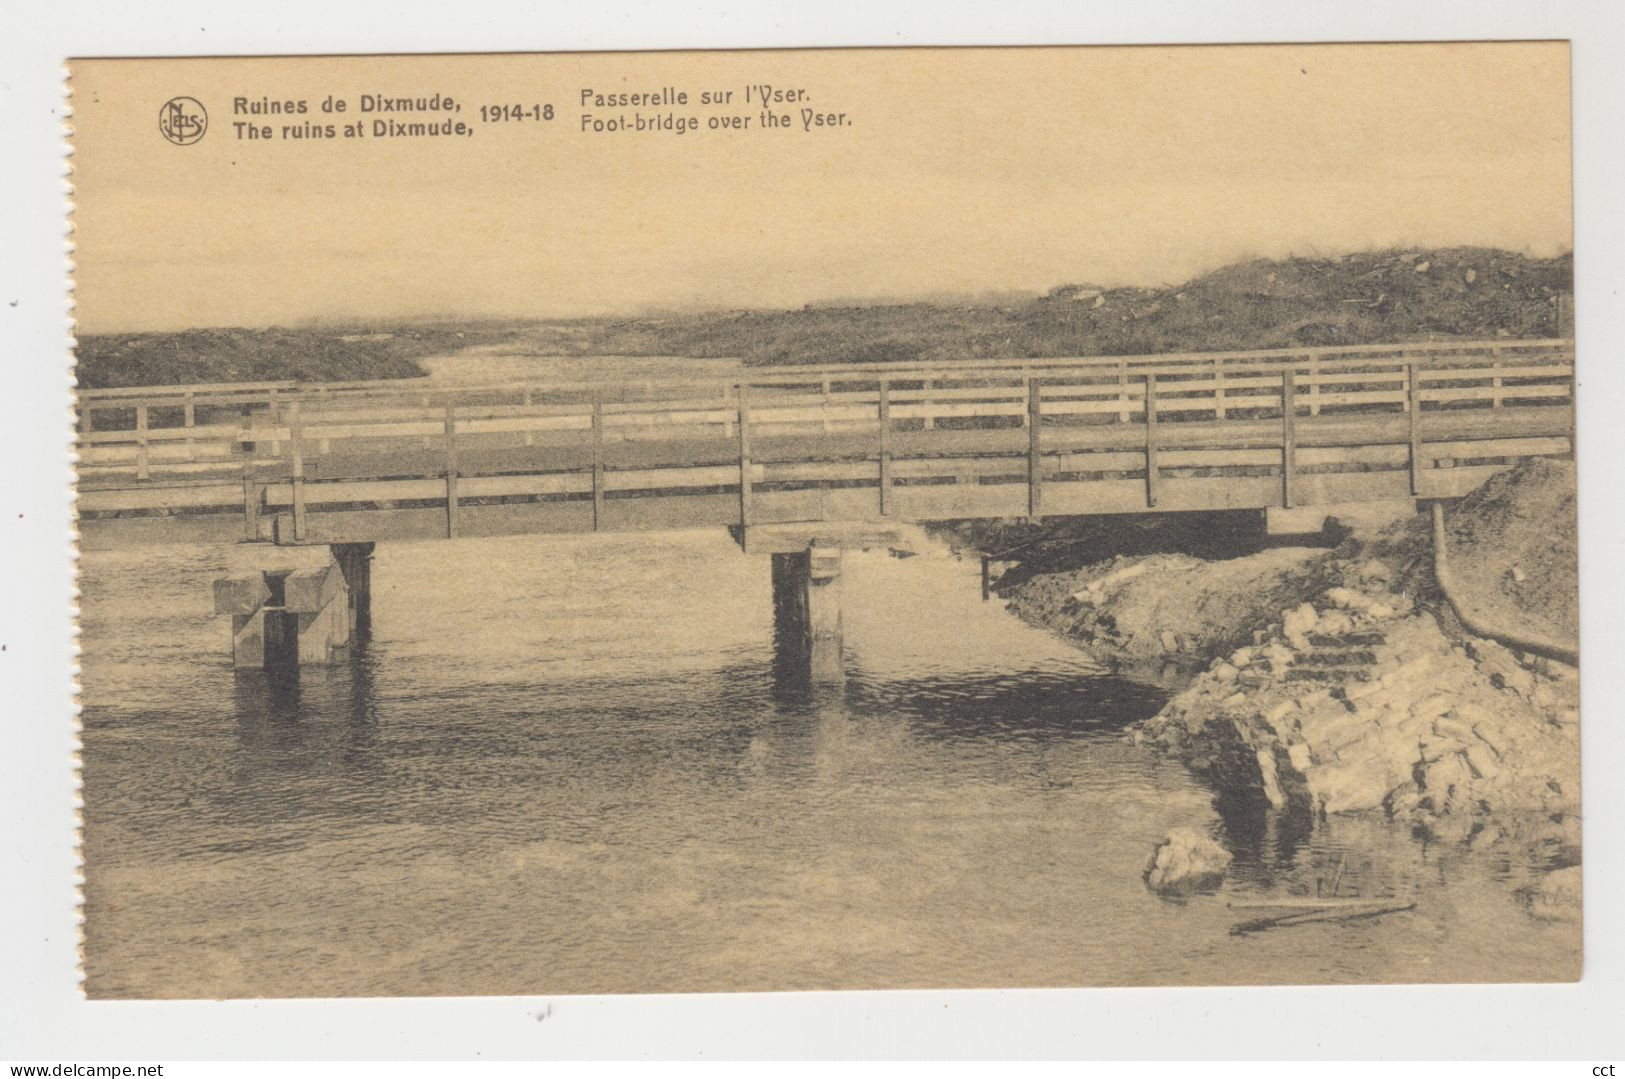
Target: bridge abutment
x,y
807,612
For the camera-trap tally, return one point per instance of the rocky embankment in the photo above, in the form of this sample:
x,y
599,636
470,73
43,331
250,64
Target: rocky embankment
x,y
1342,682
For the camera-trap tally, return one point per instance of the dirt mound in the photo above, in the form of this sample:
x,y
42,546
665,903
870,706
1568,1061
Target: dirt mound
x,y
1514,548
1167,607
1396,295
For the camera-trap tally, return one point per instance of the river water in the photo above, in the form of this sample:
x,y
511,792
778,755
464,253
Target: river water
x,y
571,764
582,774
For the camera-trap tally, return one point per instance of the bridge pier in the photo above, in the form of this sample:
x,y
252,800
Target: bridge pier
x,y
355,563
283,618
807,612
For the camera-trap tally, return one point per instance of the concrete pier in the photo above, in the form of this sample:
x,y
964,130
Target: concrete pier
x,y
355,562
283,618
807,612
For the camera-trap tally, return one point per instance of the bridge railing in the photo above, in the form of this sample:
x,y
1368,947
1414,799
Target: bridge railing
x,y
1088,389
891,430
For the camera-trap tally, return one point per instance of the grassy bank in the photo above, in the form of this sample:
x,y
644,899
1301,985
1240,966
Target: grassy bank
x,y
272,355
1362,298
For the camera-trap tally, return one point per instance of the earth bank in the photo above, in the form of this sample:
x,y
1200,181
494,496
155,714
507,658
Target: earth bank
x,y
1340,681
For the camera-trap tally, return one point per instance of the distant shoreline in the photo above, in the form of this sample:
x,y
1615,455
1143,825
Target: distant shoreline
x,y
1371,297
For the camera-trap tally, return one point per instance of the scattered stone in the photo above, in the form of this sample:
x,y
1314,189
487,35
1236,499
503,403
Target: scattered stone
x,y
1269,775
1334,624
1432,707
1185,863
1347,598
1559,895
1296,624
1278,711
1447,773
1352,786
1484,761
1278,655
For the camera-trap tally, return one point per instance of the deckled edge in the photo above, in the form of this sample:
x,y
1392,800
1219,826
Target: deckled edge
x,y
70,347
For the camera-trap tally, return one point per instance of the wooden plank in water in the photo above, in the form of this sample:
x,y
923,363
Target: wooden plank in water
x,y
1289,914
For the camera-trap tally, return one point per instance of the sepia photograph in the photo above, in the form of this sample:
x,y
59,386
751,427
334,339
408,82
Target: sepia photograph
x,y
826,519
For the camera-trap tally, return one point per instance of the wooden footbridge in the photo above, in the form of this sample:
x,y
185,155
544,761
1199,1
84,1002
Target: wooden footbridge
x,y
359,462
787,455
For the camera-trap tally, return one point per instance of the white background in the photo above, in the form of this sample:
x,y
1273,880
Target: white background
x,y
42,1016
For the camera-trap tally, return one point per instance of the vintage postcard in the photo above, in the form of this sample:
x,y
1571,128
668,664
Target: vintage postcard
x,y
826,519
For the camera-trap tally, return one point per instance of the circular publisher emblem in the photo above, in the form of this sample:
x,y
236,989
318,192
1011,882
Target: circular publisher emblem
x,y
183,120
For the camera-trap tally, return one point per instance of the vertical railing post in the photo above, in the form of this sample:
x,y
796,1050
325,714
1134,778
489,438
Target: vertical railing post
x,y
1122,392
1218,390
1035,460
296,446
251,490
274,410
597,460
1152,471
884,413
1413,404
823,407
1574,434
1495,379
1314,382
189,420
744,465
453,508
143,460
1289,433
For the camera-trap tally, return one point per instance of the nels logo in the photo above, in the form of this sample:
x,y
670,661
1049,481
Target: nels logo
x,y
183,120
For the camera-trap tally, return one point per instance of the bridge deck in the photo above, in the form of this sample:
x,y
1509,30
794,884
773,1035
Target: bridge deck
x,y
364,462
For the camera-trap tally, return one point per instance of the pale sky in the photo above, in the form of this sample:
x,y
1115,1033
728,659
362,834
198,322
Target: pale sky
x,y
960,170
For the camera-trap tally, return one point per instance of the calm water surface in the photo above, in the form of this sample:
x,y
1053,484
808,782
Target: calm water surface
x,y
571,764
